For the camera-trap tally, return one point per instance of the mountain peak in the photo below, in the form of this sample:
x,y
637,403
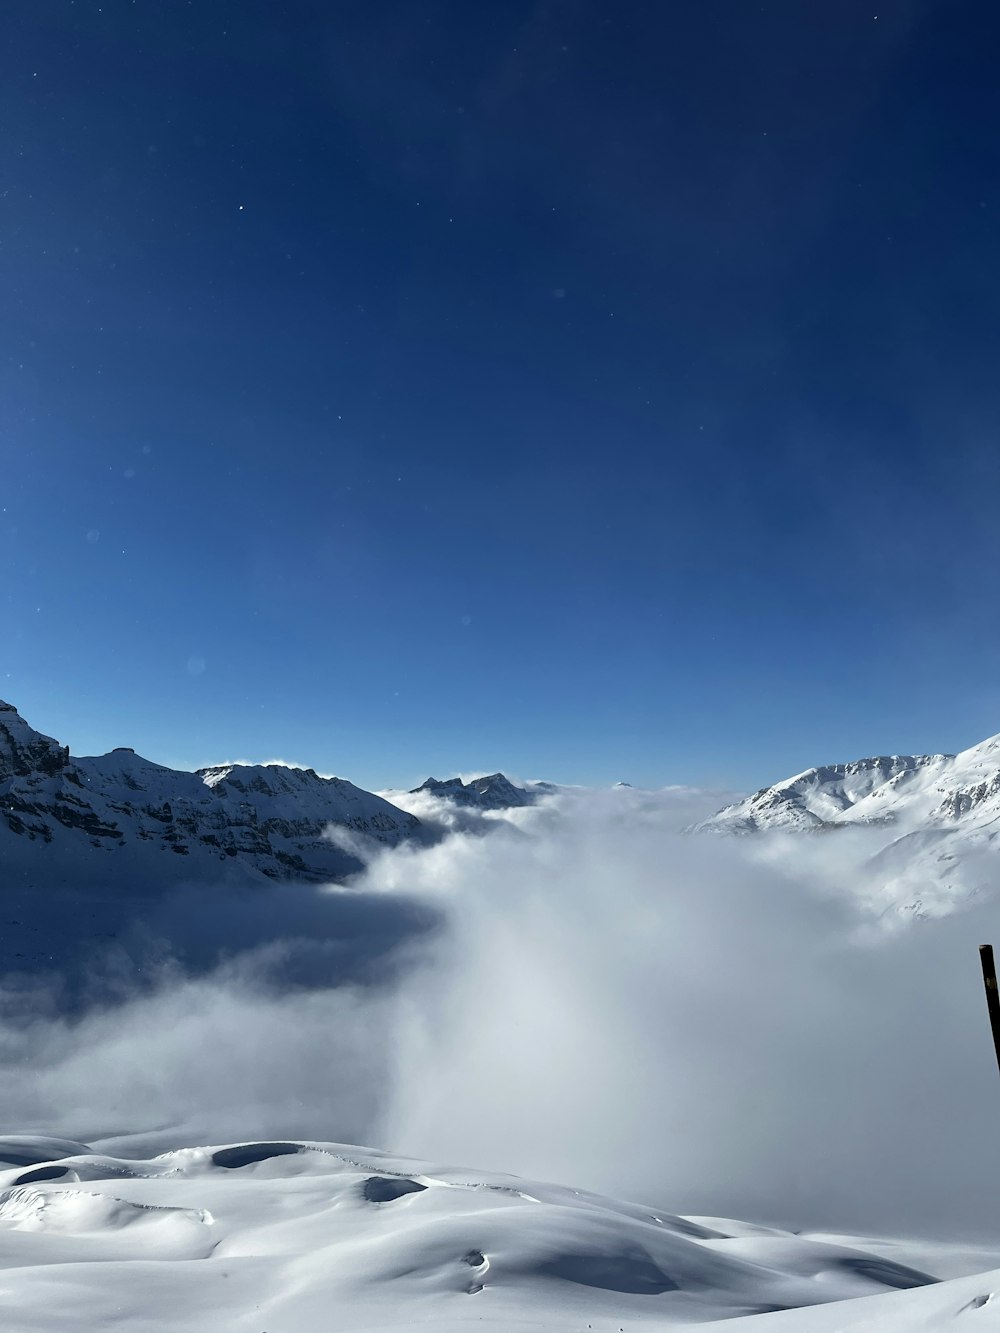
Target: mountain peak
x,y
495,791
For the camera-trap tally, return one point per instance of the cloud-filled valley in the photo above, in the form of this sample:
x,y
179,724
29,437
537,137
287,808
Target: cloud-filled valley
x,y
576,990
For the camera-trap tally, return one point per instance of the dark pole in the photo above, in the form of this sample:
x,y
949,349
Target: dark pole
x,y
992,994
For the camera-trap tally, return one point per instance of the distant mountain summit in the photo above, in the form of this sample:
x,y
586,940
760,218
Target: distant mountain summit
x,y
70,818
495,792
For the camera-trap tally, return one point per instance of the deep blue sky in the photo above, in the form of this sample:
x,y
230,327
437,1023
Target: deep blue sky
x,y
591,389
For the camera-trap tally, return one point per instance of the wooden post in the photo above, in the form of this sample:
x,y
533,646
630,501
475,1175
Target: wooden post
x,y
992,994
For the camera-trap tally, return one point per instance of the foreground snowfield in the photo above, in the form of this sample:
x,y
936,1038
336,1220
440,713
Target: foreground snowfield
x,y
303,1237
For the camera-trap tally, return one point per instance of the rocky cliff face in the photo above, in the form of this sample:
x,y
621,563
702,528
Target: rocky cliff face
x,y
102,814
24,751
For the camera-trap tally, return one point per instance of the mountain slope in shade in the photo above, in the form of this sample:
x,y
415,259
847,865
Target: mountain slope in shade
x,y
69,818
933,821
287,1235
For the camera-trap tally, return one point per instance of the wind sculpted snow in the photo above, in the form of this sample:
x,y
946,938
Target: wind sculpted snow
x,y
294,1235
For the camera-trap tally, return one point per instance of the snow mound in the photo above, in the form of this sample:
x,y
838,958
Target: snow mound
x,y
279,1234
30,1149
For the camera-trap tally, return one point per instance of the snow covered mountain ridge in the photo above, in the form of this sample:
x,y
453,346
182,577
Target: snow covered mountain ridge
x,y
492,792
903,790
250,821
933,821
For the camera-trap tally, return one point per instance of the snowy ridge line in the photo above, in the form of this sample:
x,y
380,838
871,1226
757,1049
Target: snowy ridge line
x,y
234,821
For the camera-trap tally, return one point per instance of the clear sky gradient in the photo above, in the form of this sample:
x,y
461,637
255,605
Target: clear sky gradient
x,y
593,390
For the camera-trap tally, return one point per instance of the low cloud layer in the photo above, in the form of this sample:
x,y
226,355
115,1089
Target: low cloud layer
x,y
624,1008
584,994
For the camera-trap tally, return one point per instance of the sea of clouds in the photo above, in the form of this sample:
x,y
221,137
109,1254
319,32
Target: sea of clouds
x,y
577,991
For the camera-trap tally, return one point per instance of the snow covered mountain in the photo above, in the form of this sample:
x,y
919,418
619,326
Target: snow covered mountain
x,y
933,820
905,792
879,790
494,792
66,819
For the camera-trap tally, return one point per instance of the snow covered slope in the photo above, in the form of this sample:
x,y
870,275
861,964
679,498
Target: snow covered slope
x,y
882,790
933,821
63,818
303,1237
493,792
